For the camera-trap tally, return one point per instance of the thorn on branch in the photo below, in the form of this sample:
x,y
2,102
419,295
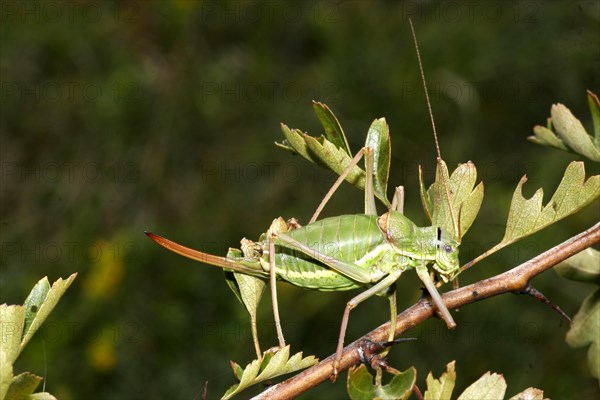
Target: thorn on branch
x,y
539,296
369,350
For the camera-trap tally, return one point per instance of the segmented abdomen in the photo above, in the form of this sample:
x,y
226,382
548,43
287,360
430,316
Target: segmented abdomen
x,y
345,237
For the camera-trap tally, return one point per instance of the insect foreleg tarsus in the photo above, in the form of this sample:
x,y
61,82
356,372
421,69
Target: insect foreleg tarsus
x,y
435,296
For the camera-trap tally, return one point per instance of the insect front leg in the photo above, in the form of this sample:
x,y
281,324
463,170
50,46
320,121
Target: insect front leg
x,y
435,296
393,316
370,208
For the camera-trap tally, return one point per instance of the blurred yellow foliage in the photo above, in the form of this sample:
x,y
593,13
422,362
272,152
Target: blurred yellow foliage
x,y
106,272
101,352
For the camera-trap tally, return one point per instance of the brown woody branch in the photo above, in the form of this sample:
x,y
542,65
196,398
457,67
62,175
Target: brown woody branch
x,y
513,280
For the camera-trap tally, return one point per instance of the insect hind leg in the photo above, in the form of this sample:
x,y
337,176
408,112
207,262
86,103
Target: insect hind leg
x,y
370,207
375,289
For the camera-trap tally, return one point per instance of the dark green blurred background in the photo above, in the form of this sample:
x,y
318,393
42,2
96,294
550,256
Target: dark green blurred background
x,y
120,117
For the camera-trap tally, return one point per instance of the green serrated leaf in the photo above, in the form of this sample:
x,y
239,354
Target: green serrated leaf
x,y
232,283
22,386
378,139
566,132
270,366
526,216
583,266
572,132
330,156
585,329
333,130
529,394
251,290
594,104
325,153
54,294
465,200
248,376
470,208
488,387
400,387
248,290
443,215
34,301
546,137
441,389
426,196
237,370
274,365
294,142
360,385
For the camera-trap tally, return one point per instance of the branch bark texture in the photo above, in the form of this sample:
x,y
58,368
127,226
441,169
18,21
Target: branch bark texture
x,y
513,280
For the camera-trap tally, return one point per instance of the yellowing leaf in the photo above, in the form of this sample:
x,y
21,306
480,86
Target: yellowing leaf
x,y
529,394
54,294
6,372
267,368
251,290
22,386
488,387
526,216
441,389
34,301
41,396
12,320
455,214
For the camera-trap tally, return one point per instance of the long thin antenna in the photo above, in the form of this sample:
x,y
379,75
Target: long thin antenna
x,y
437,145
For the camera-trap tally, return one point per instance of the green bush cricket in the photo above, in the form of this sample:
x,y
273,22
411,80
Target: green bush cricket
x,y
352,251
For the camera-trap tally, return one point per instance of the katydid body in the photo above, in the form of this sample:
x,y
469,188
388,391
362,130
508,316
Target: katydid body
x,y
342,253
352,251
356,240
